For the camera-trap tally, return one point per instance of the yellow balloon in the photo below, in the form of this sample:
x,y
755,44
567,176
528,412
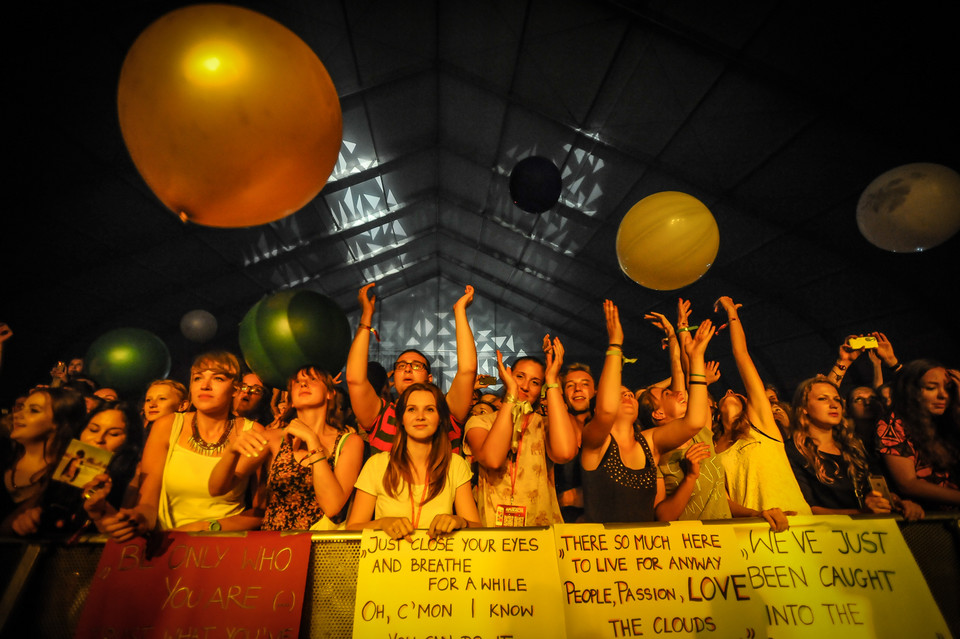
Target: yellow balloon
x,y
230,118
667,240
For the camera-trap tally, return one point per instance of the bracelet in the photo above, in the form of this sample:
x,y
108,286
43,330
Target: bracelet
x,y
620,346
372,330
547,387
614,352
509,399
840,366
688,329
694,381
307,461
697,375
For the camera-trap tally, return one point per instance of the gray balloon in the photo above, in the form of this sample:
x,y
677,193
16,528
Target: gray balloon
x,y
911,208
198,326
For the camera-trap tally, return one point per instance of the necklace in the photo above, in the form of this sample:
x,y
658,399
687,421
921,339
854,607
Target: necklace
x,y
202,446
16,490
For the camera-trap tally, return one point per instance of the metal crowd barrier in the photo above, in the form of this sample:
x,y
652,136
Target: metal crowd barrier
x,y
47,583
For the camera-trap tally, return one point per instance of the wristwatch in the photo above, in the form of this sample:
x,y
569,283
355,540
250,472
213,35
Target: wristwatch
x,y
213,525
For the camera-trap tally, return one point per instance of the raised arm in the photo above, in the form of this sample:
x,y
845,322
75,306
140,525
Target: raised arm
x,y
758,406
846,356
608,397
490,447
677,380
364,398
561,439
677,432
460,393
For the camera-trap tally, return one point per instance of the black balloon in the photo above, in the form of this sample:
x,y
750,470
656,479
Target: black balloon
x,y
535,184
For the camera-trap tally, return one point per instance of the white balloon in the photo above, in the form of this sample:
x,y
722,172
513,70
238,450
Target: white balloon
x,y
198,325
911,208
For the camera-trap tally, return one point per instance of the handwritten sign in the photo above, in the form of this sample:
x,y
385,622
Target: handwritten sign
x,y
496,583
682,579
199,587
835,576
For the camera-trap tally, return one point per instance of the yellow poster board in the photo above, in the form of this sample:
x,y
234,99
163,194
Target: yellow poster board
x,y
489,584
679,580
833,576
827,576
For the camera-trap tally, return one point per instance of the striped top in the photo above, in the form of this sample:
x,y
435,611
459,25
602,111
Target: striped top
x,y
384,430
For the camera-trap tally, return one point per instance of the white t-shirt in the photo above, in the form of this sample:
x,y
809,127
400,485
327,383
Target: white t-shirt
x,y
370,481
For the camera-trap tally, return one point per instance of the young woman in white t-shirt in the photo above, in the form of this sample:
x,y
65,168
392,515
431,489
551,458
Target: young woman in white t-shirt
x,y
419,483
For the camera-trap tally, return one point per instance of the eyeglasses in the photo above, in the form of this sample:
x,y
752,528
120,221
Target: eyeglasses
x,y
416,367
252,390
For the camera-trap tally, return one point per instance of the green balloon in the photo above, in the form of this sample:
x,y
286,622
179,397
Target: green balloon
x,y
254,354
127,360
288,330
321,330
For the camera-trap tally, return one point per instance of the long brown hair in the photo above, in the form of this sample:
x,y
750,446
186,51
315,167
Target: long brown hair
x,y
851,448
936,438
740,425
398,469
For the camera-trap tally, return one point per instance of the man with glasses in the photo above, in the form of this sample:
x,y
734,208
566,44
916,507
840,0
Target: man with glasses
x,y
375,414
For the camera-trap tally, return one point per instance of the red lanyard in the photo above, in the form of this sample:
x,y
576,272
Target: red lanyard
x,y
414,512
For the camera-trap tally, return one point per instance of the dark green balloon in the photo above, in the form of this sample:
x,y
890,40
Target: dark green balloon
x,y
292,329
127,360
253,353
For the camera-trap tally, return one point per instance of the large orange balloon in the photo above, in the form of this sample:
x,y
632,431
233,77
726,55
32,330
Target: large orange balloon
x,y
667,240
230,118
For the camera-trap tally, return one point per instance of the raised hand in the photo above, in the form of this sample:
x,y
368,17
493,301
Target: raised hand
x,y
727,304
698,345
554,359
506,376
683,313
614,329
885,349
712,371
661,322
367,301
848,353
465,300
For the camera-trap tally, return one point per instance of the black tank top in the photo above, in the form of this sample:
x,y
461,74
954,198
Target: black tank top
x,y
615,493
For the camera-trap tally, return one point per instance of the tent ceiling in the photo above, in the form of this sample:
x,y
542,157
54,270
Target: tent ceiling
x,y
775,114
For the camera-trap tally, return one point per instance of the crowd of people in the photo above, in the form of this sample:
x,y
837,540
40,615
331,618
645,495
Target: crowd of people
x,y
390,450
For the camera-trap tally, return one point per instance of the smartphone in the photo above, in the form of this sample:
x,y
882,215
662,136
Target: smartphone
x,y
487,380
879,484
867,341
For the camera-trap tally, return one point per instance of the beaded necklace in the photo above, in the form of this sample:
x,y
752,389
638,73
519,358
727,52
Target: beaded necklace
x,y
202,446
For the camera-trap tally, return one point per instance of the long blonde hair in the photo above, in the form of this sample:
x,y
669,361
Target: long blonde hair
x,y
851,448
